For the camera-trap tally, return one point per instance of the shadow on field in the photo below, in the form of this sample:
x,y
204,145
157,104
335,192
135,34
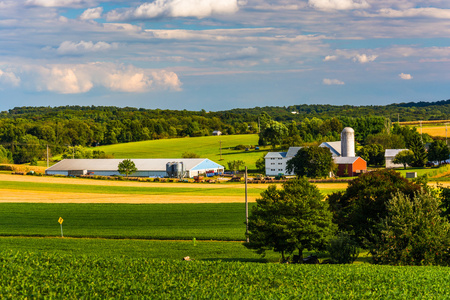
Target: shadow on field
x,y
257,260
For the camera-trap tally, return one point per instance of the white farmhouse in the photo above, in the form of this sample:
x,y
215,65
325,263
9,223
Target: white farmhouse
x,y
276,161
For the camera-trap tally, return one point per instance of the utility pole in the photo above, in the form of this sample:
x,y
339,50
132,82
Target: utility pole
x,y
421,131
47,157
446,134
246,205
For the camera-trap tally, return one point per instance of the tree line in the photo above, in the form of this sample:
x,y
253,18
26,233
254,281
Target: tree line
x,y
25,132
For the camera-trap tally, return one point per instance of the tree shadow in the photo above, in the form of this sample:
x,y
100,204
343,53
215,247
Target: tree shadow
x,y
234,259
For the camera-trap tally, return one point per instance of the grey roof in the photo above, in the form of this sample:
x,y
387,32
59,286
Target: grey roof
x,y
345,160
335,147
149,164
392,152
292,151
275,155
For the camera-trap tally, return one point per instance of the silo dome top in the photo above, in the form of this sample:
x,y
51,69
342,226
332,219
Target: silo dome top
x,y
348,129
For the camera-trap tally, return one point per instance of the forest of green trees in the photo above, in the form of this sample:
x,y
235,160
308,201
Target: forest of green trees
x,y
25,132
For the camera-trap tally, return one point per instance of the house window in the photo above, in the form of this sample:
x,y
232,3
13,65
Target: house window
x,y
272,158
272,169
279,158
280,163
272,163
280,169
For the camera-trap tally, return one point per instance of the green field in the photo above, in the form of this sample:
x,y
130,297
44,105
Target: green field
x,y
162,190
56,275
205,147
223,221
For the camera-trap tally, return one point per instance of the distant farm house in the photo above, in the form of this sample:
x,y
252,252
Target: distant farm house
x,y
389,155
151,167
343,153
217,132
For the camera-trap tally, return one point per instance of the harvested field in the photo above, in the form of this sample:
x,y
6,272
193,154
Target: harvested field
x,y
61,197
17,195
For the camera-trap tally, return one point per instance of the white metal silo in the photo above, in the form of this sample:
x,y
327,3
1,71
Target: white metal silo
x,y
348,142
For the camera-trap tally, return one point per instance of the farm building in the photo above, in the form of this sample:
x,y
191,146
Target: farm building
x,y
276,161
151,167
343,153
389,155
350,166
217,132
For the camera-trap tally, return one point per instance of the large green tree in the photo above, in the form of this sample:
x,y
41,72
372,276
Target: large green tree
x,y
359,209
274,133
294,217
417,146
373,154
126,167
404,157
438,151
313,162
413,232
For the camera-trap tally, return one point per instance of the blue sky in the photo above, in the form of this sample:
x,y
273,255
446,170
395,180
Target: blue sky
x,y
223,54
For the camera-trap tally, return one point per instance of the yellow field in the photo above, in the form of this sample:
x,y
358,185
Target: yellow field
x,y
435,130
8,195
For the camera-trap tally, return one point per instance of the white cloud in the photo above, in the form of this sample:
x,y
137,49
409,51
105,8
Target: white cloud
x,y
59,3
175,8
81,78
68,47
92,13
338,4
364,58
328,81
405,76
330,58
9,78
430,12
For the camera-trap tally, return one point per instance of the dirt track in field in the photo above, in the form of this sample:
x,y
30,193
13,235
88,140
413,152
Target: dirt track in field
x,y
8,195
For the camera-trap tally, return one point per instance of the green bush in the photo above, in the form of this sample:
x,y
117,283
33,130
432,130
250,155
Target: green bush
x,y
342,249
240,147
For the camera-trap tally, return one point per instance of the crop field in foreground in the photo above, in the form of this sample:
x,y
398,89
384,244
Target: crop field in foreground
x,y
221,221
39,275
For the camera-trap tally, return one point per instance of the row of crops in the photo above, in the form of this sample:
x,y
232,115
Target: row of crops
x,y
55,275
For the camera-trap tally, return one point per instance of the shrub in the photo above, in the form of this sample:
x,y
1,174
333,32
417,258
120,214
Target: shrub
x,y
342,249
240,147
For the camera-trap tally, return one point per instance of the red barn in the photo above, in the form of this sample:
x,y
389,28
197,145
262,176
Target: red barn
x,y
350,166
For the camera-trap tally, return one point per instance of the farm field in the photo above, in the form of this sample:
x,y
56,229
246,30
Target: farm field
x,y
16,188
205,147
219,221
434,130
39,275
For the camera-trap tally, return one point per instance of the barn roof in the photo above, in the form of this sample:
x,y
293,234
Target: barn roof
x,y
345,160
392,152
148,164
335,147
275,155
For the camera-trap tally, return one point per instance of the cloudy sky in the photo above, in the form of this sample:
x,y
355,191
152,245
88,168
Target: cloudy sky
x,y
223,54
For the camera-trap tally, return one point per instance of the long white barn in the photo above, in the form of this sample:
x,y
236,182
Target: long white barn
x,y
151,167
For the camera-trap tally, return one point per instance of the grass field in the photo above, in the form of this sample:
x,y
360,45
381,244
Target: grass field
x,y
135,248
223,221
205,147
